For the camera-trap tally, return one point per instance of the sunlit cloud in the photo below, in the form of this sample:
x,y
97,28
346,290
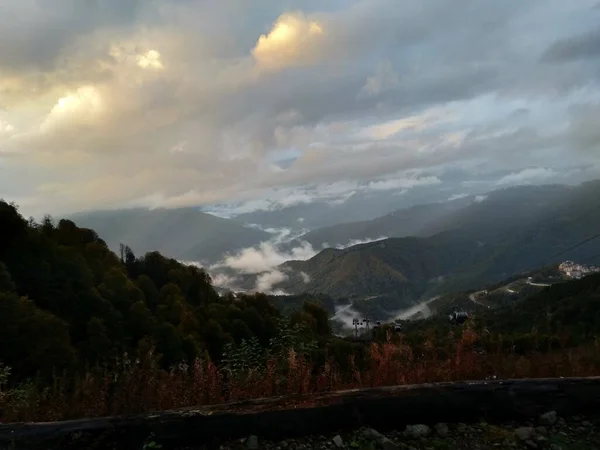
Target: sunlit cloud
x,y
150,60
80,106
6,128
293,40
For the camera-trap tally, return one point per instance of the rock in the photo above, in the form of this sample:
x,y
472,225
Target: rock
x,y
586,423
382,442
252,443
531,444
417,431
462,427
541,431
442,429
338,441
561,422
524,433
548,418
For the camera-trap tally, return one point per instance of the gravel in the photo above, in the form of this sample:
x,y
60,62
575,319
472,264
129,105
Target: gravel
x,y
547,433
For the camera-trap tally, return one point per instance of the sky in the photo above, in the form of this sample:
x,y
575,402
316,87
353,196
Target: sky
x,y
168,103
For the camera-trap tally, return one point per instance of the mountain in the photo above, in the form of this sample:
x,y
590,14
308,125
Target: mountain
x,y
487,213
405,222
396,272
184,233
513,231
357,207
496,212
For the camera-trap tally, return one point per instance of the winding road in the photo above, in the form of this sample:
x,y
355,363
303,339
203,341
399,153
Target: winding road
x,y
474,300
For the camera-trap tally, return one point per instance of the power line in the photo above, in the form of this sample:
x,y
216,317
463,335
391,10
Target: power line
x,y
553,218
596,236
580,243
574,246
586,213
592,258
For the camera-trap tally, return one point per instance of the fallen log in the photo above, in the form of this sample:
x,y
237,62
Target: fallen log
x,y
285,417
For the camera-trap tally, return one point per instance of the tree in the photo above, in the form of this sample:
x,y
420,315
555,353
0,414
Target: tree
x,y
98,345
6,282
31,340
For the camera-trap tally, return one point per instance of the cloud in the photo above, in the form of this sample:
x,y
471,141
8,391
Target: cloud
x,y
305,277
293,40
263,258
457,196
417,123
527,176
221,280
354,242
384,79
200,102
262,263
582,46
74,109
6,128
266,281
402,183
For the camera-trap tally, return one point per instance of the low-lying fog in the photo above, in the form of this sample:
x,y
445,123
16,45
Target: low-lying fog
x,y
346,314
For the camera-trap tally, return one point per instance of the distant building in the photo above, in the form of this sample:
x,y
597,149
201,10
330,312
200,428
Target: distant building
x,y
575,271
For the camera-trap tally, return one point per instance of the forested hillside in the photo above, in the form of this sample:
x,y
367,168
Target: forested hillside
x,y
67,301
563,316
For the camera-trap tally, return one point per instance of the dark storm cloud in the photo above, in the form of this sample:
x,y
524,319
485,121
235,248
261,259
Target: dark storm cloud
x,y
580,47
33,33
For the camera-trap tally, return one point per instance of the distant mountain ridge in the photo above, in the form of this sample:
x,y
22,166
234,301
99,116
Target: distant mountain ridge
x,y
511,206
183,233
401,223
514,230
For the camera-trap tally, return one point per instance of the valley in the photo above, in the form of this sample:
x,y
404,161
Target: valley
x,y
381,266
163,327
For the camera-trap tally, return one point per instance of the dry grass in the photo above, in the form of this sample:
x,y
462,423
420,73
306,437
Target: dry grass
x,y
142,386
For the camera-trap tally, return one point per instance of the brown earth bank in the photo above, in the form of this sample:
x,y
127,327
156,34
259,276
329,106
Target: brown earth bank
x,y
511,409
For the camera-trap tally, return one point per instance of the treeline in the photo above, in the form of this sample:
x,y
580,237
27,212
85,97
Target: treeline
x,y
68,303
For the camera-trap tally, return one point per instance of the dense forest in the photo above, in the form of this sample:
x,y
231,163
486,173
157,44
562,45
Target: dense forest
x,y
67,302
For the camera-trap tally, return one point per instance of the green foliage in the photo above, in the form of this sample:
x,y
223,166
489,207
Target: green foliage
x,y
296,337
248,355
151,444
4,376
67,302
